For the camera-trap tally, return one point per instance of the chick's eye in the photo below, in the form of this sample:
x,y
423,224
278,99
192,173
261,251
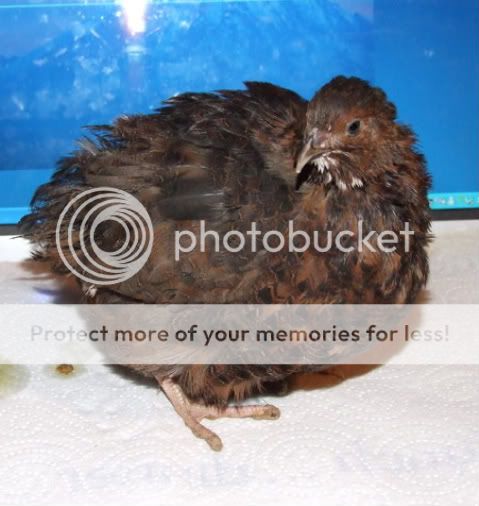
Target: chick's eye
x,y
354,127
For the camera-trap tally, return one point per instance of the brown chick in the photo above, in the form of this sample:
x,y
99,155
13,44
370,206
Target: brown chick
x,y
261,155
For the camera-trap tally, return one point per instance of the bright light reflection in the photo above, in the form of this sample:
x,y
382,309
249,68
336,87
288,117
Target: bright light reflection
x,y
134,13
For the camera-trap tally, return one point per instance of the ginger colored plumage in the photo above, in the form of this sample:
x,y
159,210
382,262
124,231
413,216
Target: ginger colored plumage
x,y
233,157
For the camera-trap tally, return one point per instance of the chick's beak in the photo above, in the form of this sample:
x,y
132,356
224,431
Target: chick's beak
x,y
316,143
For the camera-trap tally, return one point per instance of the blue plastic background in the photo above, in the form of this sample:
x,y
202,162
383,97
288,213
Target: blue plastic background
x,y
65,65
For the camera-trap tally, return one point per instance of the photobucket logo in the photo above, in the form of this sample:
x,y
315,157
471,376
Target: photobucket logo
x,y
77,236
296,241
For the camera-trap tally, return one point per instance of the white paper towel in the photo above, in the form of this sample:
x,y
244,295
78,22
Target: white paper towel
x,y
392,435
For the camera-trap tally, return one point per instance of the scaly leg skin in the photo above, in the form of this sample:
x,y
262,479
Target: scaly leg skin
x,y
193,413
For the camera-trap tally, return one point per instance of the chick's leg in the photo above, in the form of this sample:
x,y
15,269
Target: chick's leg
x,y
192,413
